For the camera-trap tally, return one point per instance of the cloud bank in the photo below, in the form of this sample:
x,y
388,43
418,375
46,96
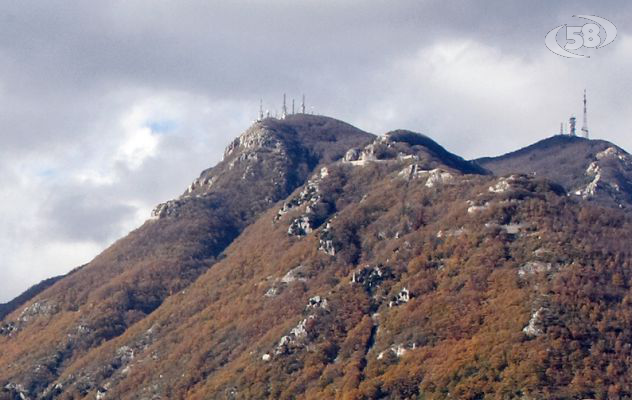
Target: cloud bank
x,y
108,108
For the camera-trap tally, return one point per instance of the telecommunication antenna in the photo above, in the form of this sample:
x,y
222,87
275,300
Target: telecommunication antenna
x,y
284,111
303,105
585,125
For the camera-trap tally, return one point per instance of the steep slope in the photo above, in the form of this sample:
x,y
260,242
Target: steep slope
x,y
184,238
595,170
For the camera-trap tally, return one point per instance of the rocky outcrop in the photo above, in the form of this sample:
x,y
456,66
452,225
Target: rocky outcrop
x,y
400,298
370,277
610,175
297,338
535,327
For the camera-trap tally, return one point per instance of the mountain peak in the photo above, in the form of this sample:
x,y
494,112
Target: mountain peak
x,y
316,132
271,157
595,170
403,144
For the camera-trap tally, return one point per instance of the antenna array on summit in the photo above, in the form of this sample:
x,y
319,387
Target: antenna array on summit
x,y
284,109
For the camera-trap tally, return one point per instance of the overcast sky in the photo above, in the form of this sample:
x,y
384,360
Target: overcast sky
x,y
110,107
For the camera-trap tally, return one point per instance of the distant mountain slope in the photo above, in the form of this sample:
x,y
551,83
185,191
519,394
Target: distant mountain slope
x,y
595,170
8,308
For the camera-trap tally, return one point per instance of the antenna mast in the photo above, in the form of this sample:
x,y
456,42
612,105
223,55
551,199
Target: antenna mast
x,y
585,126
284,111
260,109
303,105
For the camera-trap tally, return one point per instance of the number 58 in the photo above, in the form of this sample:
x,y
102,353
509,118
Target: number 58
x,y
587,35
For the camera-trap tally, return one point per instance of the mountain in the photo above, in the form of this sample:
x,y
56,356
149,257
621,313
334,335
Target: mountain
x,y
317,261
595,170
8,308
184,238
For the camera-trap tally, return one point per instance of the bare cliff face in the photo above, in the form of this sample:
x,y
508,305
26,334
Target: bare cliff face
x,y
318,261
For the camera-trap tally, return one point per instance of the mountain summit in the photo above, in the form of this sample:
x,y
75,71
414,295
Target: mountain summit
x,y
595,170
184,238
319,261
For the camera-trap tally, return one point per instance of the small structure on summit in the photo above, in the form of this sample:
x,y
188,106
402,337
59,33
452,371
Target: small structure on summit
x,y
284,109
572,123
585,126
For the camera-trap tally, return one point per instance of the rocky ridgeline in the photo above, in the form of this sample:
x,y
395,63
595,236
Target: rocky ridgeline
x,y
254,149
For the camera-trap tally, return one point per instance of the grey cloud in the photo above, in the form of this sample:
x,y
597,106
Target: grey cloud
x,y
71,72
85,214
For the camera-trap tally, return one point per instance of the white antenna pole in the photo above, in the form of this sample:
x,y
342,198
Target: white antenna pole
x,y
284,111
303,105
585,127
292,106
260,109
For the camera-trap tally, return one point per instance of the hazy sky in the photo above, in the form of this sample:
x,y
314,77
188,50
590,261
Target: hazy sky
x,y
110,107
